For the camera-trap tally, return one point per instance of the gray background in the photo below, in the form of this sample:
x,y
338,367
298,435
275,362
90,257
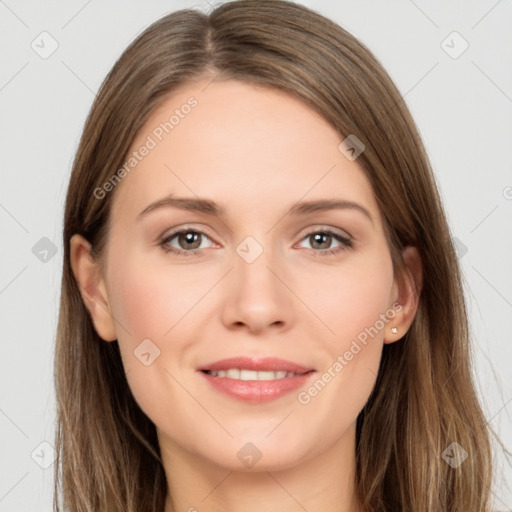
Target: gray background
x,y
461,103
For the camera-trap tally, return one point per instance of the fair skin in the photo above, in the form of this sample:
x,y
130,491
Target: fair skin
x,y
255,152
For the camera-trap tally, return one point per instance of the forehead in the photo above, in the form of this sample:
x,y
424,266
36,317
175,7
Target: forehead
x,y
242,145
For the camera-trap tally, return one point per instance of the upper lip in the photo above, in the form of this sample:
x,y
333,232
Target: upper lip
x,y
257,364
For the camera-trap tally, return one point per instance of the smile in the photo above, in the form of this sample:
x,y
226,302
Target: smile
x,y
248,375
255,380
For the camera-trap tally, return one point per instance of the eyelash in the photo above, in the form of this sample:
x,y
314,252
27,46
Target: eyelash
x,y
346,242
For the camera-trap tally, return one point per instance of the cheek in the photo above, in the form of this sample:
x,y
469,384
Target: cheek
x,y
351,297
148,302
354,301
151,299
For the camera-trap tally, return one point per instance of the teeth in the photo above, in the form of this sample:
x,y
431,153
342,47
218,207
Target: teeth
x,y
240,374
233,373
250,375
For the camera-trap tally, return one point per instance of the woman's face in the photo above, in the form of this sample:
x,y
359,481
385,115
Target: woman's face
x,y
269,272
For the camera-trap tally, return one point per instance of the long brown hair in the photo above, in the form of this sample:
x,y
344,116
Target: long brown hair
x,y
424,398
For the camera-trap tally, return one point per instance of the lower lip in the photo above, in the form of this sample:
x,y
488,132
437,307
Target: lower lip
x,y
257,391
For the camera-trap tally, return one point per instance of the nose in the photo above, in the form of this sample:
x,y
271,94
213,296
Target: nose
x,y
256,296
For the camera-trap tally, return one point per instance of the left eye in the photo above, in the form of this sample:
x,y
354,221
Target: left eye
x,y
322,241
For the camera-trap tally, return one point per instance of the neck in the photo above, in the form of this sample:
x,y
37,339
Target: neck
x,y
324,482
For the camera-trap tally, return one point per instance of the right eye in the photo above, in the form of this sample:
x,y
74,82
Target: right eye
x,y
189,242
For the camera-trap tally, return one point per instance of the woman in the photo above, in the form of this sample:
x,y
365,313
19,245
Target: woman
x,y
261,304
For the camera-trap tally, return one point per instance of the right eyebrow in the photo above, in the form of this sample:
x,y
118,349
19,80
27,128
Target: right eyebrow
x,y
184,203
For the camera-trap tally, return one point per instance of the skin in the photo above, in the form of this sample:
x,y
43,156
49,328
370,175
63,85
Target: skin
x,y
255,151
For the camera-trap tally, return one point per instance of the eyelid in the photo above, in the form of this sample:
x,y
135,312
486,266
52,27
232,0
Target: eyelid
x,y
330,229
177,230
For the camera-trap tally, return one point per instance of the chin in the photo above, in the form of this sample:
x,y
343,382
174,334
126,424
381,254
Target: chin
x,y
260,455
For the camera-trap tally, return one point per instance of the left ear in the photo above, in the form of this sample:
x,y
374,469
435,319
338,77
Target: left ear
x,y
406,291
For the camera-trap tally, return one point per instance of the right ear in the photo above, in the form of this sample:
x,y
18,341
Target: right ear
x,y
92,287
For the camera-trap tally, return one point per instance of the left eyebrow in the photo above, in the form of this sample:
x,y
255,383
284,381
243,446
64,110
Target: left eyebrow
x,y
210,207
305,207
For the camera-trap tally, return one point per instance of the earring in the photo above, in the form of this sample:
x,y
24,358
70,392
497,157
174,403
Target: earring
x,y
394,330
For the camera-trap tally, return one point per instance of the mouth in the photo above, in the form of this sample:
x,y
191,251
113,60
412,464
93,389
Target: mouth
x,y
256,380
248,375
